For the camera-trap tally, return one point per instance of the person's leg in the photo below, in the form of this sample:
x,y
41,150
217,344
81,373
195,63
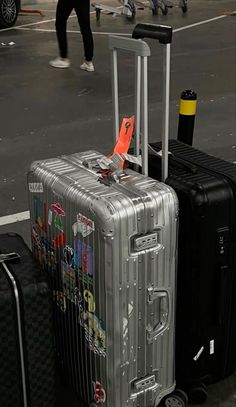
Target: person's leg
x,y
64,9
82,8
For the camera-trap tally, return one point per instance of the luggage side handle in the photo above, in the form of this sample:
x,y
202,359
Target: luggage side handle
x,y
164,35
163,298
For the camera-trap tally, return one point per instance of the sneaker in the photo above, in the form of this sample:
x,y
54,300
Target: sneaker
x,y
60,63
87,66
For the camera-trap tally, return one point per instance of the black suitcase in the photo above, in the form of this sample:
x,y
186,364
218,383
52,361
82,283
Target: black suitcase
x,y
206,303
26,346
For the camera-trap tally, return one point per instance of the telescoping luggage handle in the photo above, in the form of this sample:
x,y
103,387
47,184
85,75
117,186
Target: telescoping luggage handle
x,y
164,35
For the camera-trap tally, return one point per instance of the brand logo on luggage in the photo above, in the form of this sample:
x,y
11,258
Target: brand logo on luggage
x,y
85,226
36,187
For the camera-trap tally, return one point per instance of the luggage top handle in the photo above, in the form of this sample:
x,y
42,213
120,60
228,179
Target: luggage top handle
x,y
163,34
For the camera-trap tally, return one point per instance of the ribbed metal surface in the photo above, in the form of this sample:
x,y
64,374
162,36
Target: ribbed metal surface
x,y
102,309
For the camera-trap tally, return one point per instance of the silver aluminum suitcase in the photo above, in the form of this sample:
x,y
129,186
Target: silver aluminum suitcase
x,y
108,243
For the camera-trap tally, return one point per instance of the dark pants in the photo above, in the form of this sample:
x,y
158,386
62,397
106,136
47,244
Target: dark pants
x,y
82,9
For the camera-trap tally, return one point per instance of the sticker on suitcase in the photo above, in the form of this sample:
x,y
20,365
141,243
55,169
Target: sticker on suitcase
x,y
99,393
84,226
36,187
40,213
83,261
94,331
59,298
69,282
59,214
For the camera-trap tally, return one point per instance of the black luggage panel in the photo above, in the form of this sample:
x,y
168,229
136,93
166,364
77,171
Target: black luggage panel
x,y
206,308
36,322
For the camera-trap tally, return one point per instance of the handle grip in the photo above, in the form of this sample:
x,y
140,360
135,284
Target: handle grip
x,y
163,298
162,33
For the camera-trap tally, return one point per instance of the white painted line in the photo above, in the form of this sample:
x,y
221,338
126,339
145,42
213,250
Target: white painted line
x,y
70,31
186,27
17,217
93,12
36,23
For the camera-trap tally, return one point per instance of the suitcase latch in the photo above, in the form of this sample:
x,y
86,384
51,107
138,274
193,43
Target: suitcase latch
x,y
146,242
147,383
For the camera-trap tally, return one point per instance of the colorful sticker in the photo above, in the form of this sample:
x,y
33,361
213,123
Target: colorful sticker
x,y
83,225
68,255
59,298
99,393
59,213
88,296
37,243
59,241
83,261
94,333
69,283
36,237
40,213
36,187
57,209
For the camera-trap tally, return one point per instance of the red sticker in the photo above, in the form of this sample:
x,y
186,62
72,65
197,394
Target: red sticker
x,y
59,241
56,207
99,393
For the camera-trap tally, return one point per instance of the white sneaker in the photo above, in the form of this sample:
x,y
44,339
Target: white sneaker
x,y
87,66
60,63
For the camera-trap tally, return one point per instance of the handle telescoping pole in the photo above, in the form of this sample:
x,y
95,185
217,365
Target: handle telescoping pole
x,y
164,35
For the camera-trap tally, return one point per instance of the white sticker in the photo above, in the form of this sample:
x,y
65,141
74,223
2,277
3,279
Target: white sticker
x,y
36,187
49,217
198,354
133,159
130,308
85,226
212,347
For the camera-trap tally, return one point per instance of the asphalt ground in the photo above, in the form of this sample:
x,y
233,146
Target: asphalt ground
x,y
46,112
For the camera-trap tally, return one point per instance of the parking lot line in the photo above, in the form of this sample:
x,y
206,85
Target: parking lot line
x,y
186,27
17,217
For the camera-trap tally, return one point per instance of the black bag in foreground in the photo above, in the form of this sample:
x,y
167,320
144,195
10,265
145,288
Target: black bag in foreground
x,y
26,343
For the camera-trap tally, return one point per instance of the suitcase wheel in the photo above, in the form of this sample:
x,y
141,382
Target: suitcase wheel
x,y
182,394
176,399
198,394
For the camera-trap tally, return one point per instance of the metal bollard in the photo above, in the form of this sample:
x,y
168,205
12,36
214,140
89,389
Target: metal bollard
x,y
187,113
